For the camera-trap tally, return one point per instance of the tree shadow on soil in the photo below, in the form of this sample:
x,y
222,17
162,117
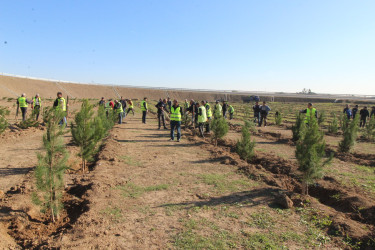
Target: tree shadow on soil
x,y
14,171
246,199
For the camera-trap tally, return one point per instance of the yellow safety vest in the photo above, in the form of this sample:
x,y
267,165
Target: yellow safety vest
x,y
131,105
310,113
59,101
203,117
40,101
143,108
176,113
119,110
107,106
209,111
231,109
22,102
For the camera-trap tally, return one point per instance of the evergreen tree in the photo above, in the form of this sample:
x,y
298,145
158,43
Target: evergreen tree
x,y
349,134
369,131
83,133
298,127
49,173
28,123
219,127
310,150
3,121
245,146
321,118
278,118
333,125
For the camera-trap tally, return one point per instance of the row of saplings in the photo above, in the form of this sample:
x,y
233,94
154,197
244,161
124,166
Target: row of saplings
x,y
88,132
309,140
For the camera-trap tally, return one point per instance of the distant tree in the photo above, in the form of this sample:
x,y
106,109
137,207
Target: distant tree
x,y
310,151
219,127
50,171
350,133
245,146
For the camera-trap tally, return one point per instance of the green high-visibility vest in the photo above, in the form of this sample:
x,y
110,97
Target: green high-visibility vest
x,y
107,106
208,110
119,109
22,102
176,113
309,113
186,105
218,108
203,117
40,101
61,104
143,108
231,109
131,105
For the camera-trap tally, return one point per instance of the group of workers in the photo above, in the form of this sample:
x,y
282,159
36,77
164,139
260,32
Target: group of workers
x,y
363,113
36,104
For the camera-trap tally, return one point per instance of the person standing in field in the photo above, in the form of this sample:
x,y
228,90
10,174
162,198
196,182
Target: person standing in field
x,y
355,111
310,112
256,109
225,109
123,104
169,103
348,112
364,114
161,106
102,102
176,117
107,107
217,109
202,117
231,112
131,107
60,105
23,104
36,105
264,111
209,116
118,110
144,109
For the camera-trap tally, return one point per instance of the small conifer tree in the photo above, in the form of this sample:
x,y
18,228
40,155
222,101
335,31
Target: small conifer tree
x,y
350,134
310,150
298,127
321,118
83,133
369,131
245,146
3,121
219,127
49,173
278,118
333,125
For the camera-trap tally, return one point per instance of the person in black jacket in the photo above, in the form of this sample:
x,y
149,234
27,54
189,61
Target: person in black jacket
x,y
372,111
161,106
256,109
364,114
355,111
225,109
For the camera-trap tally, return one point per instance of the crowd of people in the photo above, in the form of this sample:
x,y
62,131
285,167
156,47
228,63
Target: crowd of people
x,y
363,113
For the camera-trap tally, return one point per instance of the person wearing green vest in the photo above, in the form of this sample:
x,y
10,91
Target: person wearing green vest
x,y
144,109
60,104
36,105
186,106
218,109
202,117
310,112
131,107
209,116
231,112
176,113
108,107
23,103
118,110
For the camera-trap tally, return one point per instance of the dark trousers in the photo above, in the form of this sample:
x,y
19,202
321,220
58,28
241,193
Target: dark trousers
x,y
263,117
257,118
176,125
23,111
144,114
225,114
362,123
208,124
201,126
37,112
230,116
161,119
130,109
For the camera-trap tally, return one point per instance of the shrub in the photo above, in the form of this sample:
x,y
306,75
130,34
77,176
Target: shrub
x,y
333,125
369,131
49,173
245,146
28,123
278,118
219,127
3,121
349,134
298,127
310,150
321,117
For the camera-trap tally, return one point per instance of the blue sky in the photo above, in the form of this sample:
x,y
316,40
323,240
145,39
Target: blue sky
x,y
280,45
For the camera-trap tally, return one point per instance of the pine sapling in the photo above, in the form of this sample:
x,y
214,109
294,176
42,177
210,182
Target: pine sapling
x,y
298,127
369,132
321,118
350,134
83,133
50,171
3,121
219,127
310,151
333,125
245,146
278,118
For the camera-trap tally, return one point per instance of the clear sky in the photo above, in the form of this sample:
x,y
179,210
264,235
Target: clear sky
x,y
275,45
